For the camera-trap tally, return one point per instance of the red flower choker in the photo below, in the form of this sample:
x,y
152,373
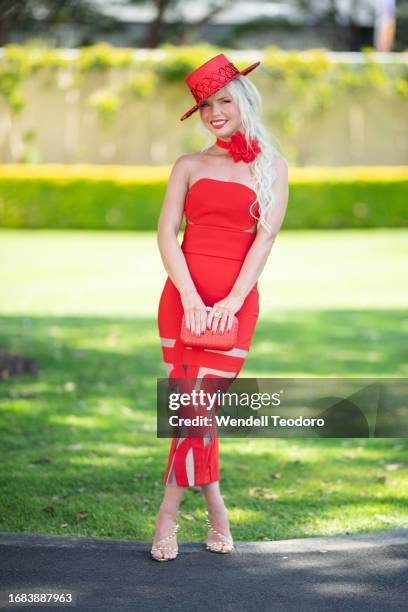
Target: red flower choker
x,y
240,148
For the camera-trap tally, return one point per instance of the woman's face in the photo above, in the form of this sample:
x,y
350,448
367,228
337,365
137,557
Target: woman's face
x,y
220,114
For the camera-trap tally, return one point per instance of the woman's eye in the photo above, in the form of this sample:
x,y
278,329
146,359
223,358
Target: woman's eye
x,y
203,104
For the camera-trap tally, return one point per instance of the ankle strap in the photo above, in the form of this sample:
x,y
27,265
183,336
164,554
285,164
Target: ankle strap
x,y
173,533
218,533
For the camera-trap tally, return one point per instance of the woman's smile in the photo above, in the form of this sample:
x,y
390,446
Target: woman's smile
x,y
218,123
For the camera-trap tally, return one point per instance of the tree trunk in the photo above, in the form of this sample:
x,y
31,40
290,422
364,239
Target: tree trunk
x,y
152,37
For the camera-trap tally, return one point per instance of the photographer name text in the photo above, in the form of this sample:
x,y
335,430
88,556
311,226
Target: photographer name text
x,y
272,420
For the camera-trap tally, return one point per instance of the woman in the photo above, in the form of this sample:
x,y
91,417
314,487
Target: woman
x,y
234,195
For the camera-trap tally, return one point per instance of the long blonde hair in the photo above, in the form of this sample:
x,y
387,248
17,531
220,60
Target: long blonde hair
x,y
249,102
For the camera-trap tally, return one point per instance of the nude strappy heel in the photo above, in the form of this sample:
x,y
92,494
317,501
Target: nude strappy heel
x,y
160,548
223,545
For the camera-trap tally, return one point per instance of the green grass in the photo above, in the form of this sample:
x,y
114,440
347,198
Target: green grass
x,y
80,435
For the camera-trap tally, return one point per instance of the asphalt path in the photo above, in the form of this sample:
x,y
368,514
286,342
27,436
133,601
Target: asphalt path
x,y
355,573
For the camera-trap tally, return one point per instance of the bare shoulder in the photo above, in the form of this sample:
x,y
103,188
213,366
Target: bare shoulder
x,y
188,166
182,163
185,165
281,165
187,160
281,184
180,172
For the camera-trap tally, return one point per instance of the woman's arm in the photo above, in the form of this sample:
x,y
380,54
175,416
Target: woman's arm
x,y
170,250
257,255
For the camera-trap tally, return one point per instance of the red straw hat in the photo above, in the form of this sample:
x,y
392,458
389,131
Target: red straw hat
x,y
210,77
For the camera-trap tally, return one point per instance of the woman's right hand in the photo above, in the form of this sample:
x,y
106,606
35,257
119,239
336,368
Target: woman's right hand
x,y
194,311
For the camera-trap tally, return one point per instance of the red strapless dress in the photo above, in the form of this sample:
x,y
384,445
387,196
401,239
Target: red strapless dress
x,y
215,245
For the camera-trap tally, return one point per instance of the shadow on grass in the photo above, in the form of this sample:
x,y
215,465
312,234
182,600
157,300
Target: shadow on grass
x,y
80,435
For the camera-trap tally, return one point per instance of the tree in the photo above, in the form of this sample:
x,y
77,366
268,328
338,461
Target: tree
x,y
184,28
38,17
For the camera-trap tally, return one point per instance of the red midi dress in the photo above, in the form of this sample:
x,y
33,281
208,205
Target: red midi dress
x,y
215,243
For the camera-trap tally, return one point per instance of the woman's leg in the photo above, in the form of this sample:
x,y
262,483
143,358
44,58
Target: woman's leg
x,y
217,512
195,461
167,518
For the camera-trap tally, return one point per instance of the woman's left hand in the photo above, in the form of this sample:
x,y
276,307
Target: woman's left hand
x,y
227,308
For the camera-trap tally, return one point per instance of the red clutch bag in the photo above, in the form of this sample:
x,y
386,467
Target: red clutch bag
x,y
218,341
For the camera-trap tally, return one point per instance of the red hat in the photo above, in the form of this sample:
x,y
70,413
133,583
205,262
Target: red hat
x,y
210,77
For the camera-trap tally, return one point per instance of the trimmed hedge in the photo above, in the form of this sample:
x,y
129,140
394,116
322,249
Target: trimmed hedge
x,y
130,197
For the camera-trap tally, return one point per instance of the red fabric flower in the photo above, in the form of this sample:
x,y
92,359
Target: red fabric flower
x,y
242,149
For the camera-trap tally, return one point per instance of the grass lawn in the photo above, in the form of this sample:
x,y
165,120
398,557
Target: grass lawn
x,y
79,452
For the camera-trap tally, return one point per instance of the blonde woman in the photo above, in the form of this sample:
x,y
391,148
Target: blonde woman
x,y
234,196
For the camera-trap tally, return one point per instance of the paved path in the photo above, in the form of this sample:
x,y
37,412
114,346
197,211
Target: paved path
x,y
366,573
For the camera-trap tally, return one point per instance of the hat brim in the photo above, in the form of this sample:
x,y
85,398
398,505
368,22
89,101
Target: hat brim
x,y
241,73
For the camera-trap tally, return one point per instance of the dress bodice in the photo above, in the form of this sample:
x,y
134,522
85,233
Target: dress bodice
x,y
218,219
218,203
